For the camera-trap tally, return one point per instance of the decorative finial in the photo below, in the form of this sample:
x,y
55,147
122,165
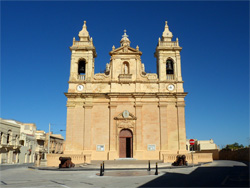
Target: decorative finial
x,y
125,34
167,35
125,41
74,39
83,32
113,47
137,47
84,24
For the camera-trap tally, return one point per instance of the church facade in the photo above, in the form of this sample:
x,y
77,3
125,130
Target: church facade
x,y
125,112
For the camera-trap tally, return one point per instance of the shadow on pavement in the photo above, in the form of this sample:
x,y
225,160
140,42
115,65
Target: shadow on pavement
x,y
237,176
9,166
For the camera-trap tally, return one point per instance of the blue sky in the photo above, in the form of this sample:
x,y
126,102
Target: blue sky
x,y
35,58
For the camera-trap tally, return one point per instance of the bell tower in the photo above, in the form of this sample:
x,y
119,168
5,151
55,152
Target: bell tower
x,y
168,57
83,57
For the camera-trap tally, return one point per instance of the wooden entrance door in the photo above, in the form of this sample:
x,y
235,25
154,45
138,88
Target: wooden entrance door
x,y
126,144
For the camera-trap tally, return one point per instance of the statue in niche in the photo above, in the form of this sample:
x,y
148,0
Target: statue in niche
x,y
107,67
143,67
125,68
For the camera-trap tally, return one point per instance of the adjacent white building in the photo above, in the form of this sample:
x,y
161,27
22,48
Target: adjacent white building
x,y
9,142
18,142
28,142
23,143
201,145
41,150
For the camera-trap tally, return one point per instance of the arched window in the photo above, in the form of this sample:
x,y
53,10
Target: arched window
x,y
125,68
169,66
81,67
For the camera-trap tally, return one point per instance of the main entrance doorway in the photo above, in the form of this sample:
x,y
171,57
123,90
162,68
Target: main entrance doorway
x,y
126,144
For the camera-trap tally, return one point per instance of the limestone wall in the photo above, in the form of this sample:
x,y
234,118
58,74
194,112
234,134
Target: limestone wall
x,y
237,155
215,153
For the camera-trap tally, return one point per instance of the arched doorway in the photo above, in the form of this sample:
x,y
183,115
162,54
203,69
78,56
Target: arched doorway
x,y
125,144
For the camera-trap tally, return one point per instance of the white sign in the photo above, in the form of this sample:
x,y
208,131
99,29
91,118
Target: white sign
x,y
151,147
100,148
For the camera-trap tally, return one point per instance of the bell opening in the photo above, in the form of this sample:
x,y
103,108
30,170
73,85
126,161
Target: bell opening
x,y
169,67
81,67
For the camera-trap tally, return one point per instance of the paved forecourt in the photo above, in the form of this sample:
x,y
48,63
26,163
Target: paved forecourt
x,y
218,173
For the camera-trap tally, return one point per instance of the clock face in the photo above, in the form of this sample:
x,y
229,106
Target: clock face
x,y
80,87
170,87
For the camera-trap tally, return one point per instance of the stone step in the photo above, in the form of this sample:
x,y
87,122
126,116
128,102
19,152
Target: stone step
x,y
126,161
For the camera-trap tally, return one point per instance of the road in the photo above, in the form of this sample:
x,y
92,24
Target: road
x,y
216,174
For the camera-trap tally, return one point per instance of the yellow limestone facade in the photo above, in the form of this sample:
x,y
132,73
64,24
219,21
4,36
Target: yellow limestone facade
x,y
125,112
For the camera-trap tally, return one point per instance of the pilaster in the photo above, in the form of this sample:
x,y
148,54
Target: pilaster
x,y
112,132
70,126
138,129
163,126
79,127
87,126
181,126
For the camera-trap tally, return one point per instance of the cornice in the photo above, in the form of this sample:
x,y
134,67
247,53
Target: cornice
x,y
121,82
168,48
88,106
162,104
180,105
133,94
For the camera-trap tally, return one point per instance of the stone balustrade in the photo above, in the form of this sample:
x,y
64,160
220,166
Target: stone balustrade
x,y
170,77
81,77
125,77
169,43
197,158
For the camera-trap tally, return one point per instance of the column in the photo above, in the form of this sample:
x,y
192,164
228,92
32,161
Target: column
x,y
178,66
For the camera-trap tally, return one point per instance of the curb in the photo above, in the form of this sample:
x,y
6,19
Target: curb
x,y
110,169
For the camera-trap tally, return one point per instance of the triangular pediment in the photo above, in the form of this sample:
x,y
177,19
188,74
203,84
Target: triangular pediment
x,y
125,50
125,115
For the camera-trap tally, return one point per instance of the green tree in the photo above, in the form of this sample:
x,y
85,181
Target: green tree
x,y
234,146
